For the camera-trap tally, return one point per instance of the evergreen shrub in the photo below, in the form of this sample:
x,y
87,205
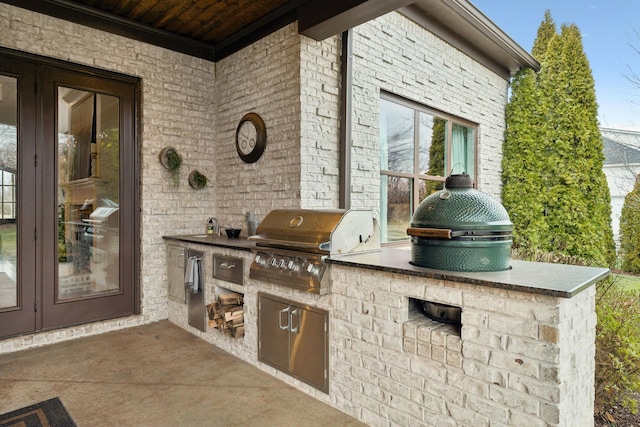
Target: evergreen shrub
x,y
617,380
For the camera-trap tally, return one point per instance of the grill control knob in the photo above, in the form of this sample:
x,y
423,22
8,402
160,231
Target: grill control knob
x,y
282,264
273,262
312,269
261,261
292,265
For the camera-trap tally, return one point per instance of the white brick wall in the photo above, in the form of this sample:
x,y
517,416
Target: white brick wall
x,y
520,359
263,78
320,138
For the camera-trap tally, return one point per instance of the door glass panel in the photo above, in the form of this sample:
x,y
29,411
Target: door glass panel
x,y
8,206
88,194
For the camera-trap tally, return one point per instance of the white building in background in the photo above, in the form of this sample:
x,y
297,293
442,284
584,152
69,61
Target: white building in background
x,y
621,165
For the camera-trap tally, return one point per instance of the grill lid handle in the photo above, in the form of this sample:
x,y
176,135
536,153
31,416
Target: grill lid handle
x,y
437,233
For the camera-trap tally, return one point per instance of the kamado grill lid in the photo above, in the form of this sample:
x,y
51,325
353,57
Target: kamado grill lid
x,y
460,208
461,229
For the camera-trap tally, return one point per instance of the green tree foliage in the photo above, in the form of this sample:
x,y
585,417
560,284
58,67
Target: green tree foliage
x,y
436,155
522,165
578,200
617,379
630,230
546,31
553,184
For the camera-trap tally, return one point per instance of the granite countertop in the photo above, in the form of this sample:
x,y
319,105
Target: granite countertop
x,y
241,243
535,277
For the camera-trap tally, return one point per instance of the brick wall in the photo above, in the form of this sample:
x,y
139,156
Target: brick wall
x,y
263,78
292,82
520,359
320,137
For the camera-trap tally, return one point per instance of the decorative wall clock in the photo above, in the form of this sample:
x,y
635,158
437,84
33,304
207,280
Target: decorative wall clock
x,y
251,137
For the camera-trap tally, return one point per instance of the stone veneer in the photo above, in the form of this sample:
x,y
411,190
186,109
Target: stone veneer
x,y
521,359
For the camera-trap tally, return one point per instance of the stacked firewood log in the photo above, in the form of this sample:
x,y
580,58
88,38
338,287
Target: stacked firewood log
x,y
227,314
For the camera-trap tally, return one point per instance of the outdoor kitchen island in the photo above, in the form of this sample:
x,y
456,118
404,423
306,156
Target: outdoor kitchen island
x,y
522,354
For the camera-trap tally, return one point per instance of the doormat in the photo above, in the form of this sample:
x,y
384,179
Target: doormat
x,y
50,413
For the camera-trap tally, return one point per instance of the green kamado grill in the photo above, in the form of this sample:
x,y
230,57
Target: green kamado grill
x,y
461,229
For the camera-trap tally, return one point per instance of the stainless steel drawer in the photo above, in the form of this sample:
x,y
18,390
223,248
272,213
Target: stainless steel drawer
x,y
227,268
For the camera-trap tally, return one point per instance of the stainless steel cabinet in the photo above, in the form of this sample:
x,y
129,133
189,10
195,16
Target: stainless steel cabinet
x,y
176,261
293,338
197,310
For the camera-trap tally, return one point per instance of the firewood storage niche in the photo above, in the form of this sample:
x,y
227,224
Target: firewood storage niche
x,y
226,312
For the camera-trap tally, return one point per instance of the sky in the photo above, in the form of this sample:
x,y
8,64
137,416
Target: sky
x,y
610,37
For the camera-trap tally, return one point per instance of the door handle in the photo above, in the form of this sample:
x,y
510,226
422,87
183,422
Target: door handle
x,y
284,311
180,261
295,314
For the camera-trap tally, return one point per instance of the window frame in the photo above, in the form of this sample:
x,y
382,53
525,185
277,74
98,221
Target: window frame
x,y
416,176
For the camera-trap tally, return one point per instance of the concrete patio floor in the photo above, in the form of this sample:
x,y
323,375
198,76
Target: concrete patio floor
x,y
156,375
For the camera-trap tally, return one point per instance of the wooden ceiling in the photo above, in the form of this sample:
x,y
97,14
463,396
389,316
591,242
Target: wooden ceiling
x,y
208,21
211,29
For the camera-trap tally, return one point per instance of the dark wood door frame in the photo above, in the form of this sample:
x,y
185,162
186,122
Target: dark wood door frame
x,y
39,78
21,319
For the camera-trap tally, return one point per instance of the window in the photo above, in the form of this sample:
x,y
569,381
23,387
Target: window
x,y
8,195
419,148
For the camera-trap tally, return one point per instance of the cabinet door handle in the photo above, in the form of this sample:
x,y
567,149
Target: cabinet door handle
x,y
284,311
226,266
296,315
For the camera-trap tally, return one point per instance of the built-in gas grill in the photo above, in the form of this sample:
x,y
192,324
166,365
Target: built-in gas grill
x,y
292,244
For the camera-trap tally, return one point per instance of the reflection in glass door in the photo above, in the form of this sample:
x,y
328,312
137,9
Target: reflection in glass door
x,y
88,194
8,202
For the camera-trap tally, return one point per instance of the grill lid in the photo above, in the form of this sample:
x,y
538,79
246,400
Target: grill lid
x,y
327,231
460,207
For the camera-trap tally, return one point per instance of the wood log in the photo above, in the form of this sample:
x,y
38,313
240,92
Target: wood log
x,y
227,314
230,298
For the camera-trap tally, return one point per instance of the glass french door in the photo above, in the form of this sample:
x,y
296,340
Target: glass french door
x,y
17,198
71,253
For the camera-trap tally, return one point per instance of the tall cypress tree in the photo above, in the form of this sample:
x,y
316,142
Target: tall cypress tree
x,y
523,160
546,31
436,155
630,230
522,164
553,184
578,211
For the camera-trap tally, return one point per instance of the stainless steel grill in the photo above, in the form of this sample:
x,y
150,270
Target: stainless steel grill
x,y
292,244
